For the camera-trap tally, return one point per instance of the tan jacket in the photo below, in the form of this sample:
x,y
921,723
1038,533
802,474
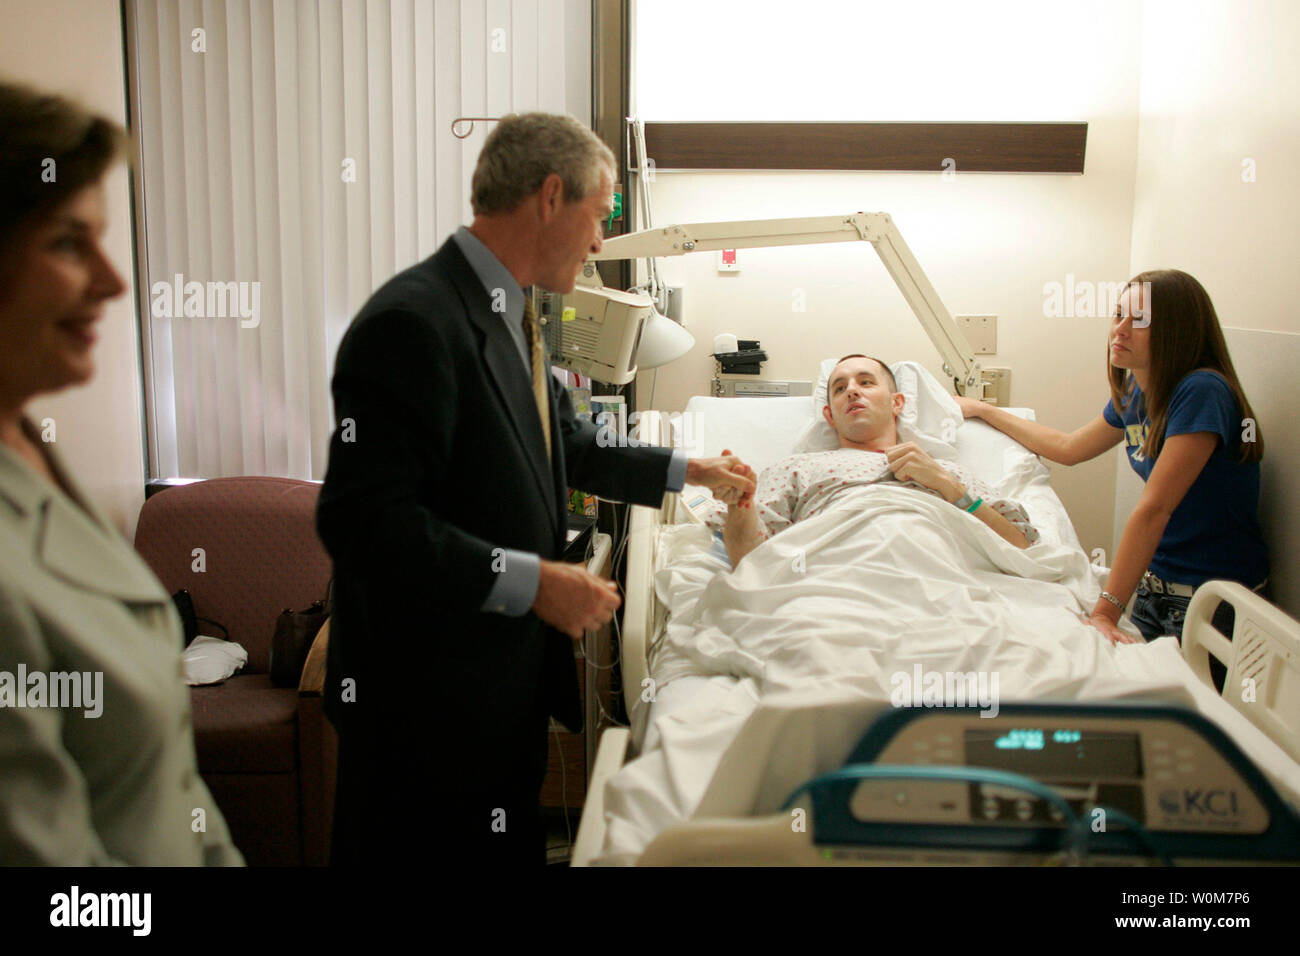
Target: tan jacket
x,y
78,607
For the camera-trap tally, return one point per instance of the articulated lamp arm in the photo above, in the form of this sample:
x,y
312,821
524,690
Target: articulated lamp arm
x,y
877,228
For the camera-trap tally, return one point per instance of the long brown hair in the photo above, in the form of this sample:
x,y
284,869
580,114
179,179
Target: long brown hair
x,y
1185,337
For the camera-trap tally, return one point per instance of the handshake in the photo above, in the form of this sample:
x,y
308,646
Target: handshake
x,y
737,490
573,600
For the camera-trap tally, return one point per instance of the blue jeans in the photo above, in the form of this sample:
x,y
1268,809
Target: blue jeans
x,y
1158,614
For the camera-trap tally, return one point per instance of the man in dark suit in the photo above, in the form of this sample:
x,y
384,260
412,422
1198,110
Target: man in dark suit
x,y
443,509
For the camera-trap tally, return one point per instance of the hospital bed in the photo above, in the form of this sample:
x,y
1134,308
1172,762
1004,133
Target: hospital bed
x,y
883,806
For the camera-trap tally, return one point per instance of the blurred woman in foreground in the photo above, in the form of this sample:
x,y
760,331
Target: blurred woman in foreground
x,y
97,760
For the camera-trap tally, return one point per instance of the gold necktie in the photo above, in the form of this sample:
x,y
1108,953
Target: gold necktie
x,y
540,373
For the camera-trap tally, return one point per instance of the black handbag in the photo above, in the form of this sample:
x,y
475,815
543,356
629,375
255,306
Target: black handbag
x,y
190,620
294,633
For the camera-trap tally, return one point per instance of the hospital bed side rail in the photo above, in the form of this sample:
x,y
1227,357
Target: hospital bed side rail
x,y
1263,658
591,828
641,611
640,614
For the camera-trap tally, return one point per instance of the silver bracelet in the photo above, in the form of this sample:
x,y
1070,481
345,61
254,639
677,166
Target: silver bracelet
x,y
1113,600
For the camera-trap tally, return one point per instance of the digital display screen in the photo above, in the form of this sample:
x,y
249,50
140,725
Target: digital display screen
x,y
1055,751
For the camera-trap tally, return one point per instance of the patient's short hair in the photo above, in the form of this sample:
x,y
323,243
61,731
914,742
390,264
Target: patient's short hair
x,y
893,386
525,148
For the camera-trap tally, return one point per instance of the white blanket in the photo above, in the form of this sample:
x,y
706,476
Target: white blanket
x,y
818,621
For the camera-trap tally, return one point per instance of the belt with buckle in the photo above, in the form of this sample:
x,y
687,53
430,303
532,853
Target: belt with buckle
x,y
1157,586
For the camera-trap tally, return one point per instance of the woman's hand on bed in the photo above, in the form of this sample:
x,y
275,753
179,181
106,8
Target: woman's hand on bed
x,y
731,480
1110,630
970,407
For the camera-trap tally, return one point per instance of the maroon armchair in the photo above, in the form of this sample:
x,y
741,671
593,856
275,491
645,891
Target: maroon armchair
x,y
267,753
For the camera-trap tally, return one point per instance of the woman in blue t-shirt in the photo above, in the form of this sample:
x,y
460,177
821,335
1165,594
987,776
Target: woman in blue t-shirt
x,y
1192,437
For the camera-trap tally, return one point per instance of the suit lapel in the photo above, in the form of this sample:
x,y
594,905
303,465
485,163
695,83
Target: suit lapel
x,y
505,372
75,549
76,545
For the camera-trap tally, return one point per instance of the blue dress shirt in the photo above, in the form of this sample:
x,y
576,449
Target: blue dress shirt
x,y
515,588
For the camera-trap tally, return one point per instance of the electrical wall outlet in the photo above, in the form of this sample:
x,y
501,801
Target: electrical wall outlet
x,y
997,386
728,260
981,332
673,305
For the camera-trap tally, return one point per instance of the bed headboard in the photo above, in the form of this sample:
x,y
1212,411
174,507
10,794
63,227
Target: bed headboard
x,y
1266,363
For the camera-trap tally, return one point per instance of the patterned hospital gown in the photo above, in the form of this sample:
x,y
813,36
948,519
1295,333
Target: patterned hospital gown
x,y
801,486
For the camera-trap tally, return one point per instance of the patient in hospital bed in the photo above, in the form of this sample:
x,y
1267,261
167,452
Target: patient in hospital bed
x,y
863,406
846,562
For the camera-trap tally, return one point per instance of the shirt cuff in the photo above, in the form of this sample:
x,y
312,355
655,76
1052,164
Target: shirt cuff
x,y
515,588
677,471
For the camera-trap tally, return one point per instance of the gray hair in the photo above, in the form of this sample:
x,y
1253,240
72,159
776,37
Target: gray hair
x,y
525,148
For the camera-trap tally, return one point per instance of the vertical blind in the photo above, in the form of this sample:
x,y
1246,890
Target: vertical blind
x,y
293,156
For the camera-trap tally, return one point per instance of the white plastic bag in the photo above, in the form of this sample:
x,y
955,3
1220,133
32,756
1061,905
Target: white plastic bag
x,y
210,660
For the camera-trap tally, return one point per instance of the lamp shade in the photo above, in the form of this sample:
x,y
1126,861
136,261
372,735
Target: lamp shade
x,y
662,341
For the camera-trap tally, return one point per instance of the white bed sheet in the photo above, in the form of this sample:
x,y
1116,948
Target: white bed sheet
x,y
682,696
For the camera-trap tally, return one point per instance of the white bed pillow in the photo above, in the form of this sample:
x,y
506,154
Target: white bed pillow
x,y
992,455
1016,473
759,430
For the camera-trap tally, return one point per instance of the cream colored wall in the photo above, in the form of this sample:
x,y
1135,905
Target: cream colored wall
x,y
75,47
1220,86
989,242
